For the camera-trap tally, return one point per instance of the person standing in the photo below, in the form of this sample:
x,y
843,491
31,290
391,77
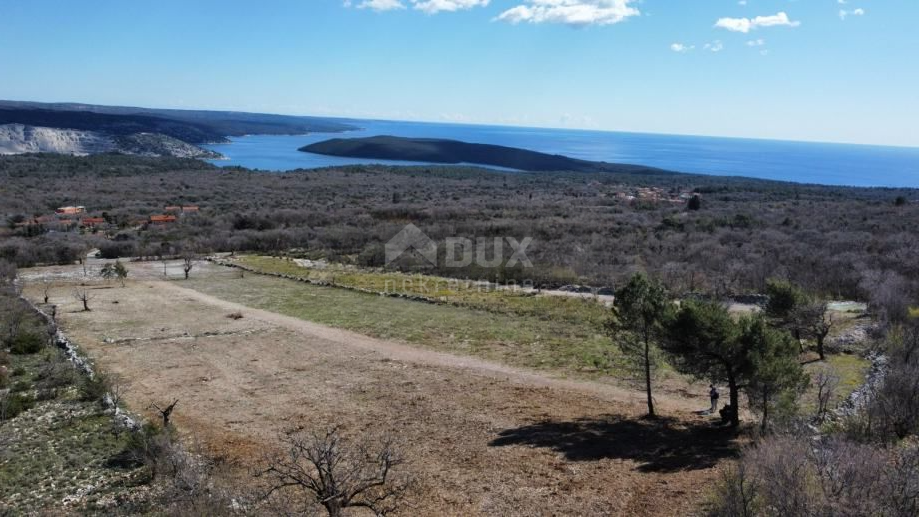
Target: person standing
x,y
713,394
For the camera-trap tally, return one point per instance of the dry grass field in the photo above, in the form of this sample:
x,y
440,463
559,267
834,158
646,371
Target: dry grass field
x,y
481,438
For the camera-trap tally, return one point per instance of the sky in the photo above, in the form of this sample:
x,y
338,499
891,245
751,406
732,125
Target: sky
x,y
816,70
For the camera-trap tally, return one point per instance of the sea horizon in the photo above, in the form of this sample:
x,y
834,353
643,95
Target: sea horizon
x,y
797,161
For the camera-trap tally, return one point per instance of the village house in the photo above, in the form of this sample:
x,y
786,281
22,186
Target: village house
x,y
91,222
162,219
70,210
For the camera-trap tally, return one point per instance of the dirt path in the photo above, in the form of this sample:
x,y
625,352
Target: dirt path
x,y
406,353
481,438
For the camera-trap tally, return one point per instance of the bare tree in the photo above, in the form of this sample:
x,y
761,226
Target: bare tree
x,y
188,262
826,380
165,413
116,389
46,290
336,474
84,296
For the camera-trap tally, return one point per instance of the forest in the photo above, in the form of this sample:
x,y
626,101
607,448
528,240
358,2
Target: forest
x,y
729,237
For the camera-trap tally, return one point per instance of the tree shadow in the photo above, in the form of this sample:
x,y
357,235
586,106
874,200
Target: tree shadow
x,y
660,445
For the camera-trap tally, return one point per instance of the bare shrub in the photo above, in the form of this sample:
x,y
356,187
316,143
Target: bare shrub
x,y
324,469
849,477
826,381
235,315
737,493
788,475
892,411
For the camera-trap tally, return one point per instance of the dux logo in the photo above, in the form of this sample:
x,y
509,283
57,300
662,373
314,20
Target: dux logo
x,y
459,250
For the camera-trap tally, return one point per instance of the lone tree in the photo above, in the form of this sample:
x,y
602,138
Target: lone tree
x,y
46,290
336,474
188,263
785,301
166,412
789,307
637,323
114,270
817,322
695,202
83,295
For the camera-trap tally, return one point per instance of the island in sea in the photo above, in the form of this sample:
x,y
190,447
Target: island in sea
x,y
435,150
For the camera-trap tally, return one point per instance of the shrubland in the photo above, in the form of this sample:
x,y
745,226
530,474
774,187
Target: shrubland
x,y
838,241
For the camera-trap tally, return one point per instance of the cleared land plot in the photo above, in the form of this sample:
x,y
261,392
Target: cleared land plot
x,y
482,438
521,340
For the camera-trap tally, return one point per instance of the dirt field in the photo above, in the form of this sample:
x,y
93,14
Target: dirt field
x,y
481,438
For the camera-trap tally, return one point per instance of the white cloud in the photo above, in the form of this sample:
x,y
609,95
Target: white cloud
x,y
715,46
843,14
428,6
577,13
436,6
756,42
745,25
681,48
379,5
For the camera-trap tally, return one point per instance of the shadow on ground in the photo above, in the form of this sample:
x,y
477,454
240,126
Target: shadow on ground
x,y
660,445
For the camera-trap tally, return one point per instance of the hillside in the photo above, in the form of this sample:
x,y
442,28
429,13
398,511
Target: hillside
x,y
453,151
192,126
110,124
19,139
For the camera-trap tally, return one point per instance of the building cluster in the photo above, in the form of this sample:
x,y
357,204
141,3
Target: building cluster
x,y
69,218
653,194
65,218
172,214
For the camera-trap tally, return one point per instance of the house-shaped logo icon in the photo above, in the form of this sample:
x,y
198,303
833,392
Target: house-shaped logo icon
x,y
411,238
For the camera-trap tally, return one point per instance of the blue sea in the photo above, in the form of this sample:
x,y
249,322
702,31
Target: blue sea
x,y
802,162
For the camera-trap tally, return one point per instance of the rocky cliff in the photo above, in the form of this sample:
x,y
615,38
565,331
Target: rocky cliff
x,y
20,138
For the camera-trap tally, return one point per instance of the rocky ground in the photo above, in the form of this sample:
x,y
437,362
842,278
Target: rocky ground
x,y
59,455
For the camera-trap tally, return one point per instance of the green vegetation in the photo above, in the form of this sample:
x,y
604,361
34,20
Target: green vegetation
x,y
705,341
521,340
587,228
55,444
453,151
849,372
462,293
642,309
115,270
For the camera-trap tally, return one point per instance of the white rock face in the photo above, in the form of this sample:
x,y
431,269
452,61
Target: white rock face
x,y
18,138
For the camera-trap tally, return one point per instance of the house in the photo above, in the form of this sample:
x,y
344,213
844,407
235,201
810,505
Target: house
x,y
162,219
70,210
187,209
173,209
90,222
